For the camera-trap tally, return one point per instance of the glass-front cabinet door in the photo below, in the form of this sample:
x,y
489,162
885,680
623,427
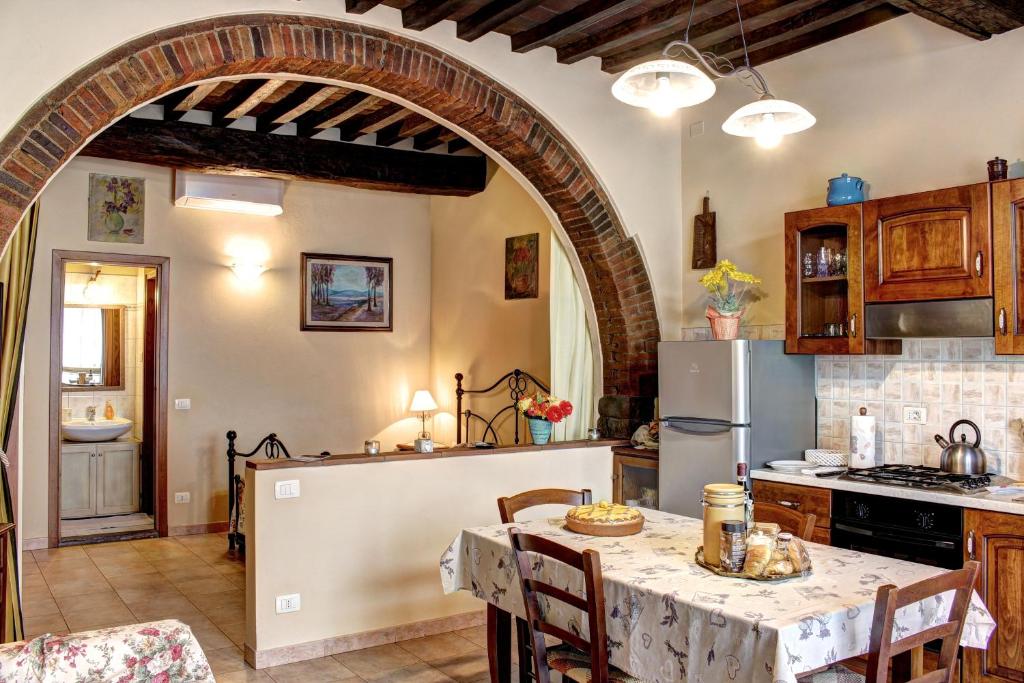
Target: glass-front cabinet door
x,y
824,299
1008,264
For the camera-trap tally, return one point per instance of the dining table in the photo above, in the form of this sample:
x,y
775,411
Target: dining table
x,y
671,619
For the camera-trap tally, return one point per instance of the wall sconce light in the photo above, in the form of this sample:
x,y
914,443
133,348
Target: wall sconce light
x,y
248,272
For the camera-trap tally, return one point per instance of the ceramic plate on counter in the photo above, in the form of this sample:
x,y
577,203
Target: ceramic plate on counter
x,y
791,465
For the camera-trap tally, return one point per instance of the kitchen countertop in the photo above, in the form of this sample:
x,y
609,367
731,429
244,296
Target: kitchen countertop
x,y
980,501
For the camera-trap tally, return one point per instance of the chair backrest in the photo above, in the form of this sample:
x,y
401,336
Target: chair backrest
x,y
508,506
795,522
890,598
589,563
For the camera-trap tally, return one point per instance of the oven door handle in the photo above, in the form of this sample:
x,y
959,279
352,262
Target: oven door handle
x,y
839,526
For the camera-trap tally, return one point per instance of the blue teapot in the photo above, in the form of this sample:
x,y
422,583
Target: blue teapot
x,y
845,190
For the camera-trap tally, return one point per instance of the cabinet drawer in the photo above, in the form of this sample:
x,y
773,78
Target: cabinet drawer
x,y
806,499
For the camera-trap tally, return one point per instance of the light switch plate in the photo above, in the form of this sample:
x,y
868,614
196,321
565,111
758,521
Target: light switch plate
x,y
183,404
915,415
696,129
182,497
288,603
286,489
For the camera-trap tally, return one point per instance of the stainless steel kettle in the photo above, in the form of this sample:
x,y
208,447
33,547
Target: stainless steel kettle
x,y
960,457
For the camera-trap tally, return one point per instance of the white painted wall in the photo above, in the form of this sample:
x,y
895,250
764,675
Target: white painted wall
x,y
237,352
362,543
633,154
907,105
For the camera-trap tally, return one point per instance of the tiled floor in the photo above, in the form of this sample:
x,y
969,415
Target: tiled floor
x,y
191,578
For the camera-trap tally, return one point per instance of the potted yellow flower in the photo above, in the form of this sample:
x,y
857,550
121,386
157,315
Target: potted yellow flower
x,y
728,293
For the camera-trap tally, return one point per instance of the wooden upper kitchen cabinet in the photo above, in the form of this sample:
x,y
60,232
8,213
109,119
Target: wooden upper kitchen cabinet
x,y
997,541
928,245
814,302
806,499
1007,252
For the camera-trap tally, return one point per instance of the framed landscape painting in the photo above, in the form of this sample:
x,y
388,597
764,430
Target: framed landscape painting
x,y
346,293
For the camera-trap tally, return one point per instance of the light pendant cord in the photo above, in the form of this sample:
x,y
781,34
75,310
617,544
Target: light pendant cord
x,y
743,36
689,21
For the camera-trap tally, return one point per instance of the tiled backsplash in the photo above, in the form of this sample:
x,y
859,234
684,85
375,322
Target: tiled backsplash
x,y
952,379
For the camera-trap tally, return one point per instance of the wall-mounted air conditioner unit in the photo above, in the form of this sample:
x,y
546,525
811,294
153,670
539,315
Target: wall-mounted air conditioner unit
x,y
237,194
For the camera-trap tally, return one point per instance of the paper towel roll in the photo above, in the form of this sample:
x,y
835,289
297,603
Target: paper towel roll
x,y
862,440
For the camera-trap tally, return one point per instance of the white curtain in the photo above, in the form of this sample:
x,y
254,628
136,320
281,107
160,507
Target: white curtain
x,y
572,353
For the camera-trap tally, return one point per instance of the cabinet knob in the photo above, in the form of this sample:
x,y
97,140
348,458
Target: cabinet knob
x,y
1002,321
970,545
853,325
977,263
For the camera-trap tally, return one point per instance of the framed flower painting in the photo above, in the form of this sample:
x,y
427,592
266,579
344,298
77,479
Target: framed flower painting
x,y
116,208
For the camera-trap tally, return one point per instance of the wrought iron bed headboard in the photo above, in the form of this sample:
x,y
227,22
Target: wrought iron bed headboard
x,y
272,448
518,385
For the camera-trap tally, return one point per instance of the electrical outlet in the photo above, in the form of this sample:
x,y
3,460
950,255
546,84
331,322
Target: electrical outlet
x,y
288,603
182,497
286,489
183,404
915,415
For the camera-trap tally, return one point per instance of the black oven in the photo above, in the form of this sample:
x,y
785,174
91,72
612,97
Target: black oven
x,y
927,533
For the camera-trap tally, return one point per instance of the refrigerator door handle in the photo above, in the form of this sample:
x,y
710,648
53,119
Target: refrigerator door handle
x,y
698,425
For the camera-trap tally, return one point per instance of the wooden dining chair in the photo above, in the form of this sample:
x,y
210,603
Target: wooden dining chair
x,y
883,648
795,522
578,659
508,506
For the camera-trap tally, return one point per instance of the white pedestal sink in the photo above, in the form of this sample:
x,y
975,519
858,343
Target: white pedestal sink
x,y
81,429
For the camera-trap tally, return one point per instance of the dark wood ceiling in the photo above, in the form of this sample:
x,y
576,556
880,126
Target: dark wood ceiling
x,y
623,33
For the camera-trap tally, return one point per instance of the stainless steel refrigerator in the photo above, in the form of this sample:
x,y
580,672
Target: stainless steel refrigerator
x,y
726,407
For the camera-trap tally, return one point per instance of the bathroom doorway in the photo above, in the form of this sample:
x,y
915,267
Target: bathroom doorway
x,y
108,397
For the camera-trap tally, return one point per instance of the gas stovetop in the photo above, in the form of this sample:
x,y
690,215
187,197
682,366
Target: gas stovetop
x,y
915,477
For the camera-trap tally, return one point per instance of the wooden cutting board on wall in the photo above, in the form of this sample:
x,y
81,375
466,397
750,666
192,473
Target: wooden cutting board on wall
x,y
705,241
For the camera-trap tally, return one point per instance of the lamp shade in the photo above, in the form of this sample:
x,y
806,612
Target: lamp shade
x,y
422,402
768,120
663,86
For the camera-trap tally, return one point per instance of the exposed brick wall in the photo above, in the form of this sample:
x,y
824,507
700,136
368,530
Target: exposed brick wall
x,y
146,68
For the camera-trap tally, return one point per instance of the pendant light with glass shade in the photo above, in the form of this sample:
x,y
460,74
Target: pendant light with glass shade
x,y
667,84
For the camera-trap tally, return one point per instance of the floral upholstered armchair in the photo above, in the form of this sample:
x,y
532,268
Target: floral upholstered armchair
x,y
157,652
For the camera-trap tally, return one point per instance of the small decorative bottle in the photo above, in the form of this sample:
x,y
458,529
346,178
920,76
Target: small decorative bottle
x,y
108,411
808,264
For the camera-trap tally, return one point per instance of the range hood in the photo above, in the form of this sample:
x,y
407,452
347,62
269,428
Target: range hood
x,y
953,318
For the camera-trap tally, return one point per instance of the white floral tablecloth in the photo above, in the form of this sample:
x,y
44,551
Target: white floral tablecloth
x,y
671,620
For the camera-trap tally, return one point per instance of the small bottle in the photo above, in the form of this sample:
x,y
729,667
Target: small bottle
x,y
108,411
808,264
733,546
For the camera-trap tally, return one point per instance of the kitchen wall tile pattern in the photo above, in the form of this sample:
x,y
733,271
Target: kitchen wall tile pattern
x,y
769,332
952,379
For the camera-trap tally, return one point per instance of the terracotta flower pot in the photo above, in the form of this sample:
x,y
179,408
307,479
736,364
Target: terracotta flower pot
x,y
724,326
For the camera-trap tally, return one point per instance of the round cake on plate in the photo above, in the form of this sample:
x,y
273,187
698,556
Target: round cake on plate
x,y
604,519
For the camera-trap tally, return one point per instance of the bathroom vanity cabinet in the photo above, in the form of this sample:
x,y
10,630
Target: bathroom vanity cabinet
x,y
98,479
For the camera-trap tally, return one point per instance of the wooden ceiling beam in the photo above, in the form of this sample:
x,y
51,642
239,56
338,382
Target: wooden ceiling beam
x,y
414,125
757,14
398,116
458,144
491,16
671,16
575,20
237,97
312,122
818,18
390,135
831,31
423,14
294,104
211,149
360,6
978,19
429,139
179,103
362,125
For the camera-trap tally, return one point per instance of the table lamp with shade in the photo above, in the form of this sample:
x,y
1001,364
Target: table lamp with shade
x,y
423,403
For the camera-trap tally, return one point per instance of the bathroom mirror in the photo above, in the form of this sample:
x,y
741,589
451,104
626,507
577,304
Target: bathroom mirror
x,y
93,348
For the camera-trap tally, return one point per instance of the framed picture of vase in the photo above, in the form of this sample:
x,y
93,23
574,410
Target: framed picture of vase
x,y
346,293
117,208
522,266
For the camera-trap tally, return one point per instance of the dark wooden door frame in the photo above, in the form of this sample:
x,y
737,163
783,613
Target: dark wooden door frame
x,y
163,267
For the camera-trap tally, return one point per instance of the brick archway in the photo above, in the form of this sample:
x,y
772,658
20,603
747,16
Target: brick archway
x,y
142,70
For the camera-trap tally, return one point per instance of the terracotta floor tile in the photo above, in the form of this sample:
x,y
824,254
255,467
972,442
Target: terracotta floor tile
x,y
465,668
225,660
375,661
236,632
417,673
217,584
226,615
438,647
215,601
50,623
211,638
39,606
165,606
246,675
100,617
51,554
324,669
78,603
119,567
475,634
78,587
31,581
71,573
151,580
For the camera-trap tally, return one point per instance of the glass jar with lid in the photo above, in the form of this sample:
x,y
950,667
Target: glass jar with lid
x,y
722,503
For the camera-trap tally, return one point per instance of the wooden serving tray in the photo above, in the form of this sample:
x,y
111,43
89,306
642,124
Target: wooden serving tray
x,y
699,559
592,529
